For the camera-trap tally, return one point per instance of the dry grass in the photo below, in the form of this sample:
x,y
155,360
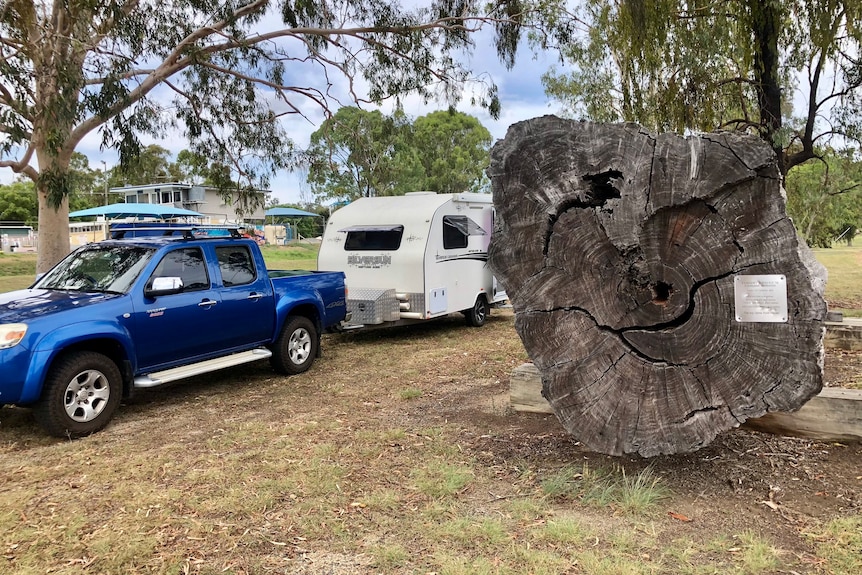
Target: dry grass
x,y
844,286
398,454
381,459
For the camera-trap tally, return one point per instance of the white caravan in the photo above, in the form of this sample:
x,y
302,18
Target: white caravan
x,y
413,257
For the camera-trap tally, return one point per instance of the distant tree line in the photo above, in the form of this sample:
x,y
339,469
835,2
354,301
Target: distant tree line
x,y
358,153
89,186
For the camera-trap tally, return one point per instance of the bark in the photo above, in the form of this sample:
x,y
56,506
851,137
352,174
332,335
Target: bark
x,y
765,25
54,242
619,250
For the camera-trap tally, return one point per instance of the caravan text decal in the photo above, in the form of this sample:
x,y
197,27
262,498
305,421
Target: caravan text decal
x,y
370,262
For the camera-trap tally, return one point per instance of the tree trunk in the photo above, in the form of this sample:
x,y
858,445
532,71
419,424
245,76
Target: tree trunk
x,y
54,242
623,254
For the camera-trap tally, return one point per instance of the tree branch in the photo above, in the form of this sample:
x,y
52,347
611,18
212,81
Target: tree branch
x,y
179,59
22,166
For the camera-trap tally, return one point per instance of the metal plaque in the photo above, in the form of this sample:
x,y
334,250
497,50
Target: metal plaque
x,y
760,298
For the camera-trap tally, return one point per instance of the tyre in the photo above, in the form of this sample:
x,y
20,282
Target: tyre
x,y
477,315
295,349
81,394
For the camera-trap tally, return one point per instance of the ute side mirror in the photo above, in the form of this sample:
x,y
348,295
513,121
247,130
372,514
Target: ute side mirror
x,y
166,285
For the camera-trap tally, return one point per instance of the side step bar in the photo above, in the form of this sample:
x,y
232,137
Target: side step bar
x,y
159,377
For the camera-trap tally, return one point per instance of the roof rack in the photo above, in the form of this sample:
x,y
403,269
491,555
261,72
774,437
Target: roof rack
x,y
186,231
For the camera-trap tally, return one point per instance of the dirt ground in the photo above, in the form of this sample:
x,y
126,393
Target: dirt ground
x,y
744,479
843,369
783,488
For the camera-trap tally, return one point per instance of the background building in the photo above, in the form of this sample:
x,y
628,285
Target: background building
x,y
204,200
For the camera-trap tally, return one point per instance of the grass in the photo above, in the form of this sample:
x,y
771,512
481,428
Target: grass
x,y
300,256
17,264
840,542
243,471
844,286
17,271
639,494
389,456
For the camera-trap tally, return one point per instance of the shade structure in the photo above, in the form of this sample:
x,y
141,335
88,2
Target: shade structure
x,y
290,213
136,210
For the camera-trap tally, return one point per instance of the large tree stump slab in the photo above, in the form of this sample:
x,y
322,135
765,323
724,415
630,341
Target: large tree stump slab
x,y
620,249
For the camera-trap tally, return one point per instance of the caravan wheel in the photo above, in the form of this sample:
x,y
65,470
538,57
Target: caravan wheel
x,y
477,315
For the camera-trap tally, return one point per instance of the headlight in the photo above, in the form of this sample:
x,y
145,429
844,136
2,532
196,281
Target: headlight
x,y
11,334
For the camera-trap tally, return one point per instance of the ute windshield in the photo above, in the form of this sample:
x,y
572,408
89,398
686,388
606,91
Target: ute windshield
x,y
107,268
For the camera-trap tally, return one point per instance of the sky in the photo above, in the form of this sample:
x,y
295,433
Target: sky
x,y
520,91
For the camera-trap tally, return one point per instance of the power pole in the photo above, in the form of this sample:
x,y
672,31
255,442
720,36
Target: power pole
x,y
105,175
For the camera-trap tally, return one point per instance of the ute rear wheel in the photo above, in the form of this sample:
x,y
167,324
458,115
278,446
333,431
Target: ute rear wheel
x,y
296,347
477,315
81,394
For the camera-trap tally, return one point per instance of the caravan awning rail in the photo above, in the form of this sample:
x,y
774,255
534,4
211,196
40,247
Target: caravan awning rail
x,y
373,228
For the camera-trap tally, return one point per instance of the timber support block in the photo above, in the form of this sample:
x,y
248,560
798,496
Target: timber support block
x,y
835,414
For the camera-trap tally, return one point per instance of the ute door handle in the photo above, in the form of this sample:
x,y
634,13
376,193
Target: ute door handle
x,y
254,296
207,303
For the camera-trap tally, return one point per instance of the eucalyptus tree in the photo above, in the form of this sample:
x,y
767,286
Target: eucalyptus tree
x,y
824,198
361,153
152,164
702,65
454,149
18,202
222,74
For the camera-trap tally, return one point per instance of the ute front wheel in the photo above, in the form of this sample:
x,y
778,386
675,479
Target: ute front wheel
x,y
296,347
81,394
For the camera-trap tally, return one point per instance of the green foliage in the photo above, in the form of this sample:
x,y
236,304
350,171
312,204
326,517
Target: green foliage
x,y
454,149
357,154
677,66
151,165
305,226
18,203
73,68
824,198
194,167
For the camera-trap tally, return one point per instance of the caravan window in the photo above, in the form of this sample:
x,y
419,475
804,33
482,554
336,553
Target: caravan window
x,y
367,238
456,230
